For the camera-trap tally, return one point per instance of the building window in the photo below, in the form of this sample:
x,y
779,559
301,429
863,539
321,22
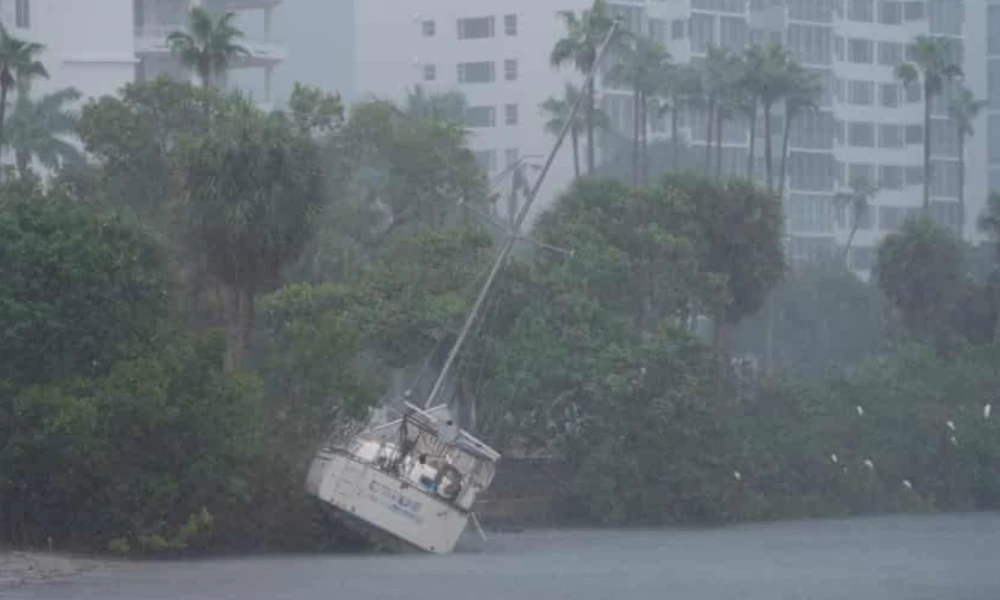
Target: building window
x,y
476,72
22,14
913,93
702,32
658,30
677,28
510,114
915,175
890,177
811,213
945,214
475,28
430,72
861,134
914,134
861,92
914,10
946,16
486,159
860,51
890,12
861,10
480,116
510,69
510,157
890,136
890,54
889,94
859,171
430,28
510,24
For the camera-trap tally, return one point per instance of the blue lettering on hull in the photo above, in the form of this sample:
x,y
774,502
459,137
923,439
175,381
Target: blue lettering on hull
x,y
394,501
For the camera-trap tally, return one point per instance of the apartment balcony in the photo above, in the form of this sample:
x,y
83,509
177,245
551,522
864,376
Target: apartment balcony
x,y
265,50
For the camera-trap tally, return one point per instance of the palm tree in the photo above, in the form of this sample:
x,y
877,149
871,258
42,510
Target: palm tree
x,y
584,35
39,130
640,64
681,85
963,110
858,201
18,66
730,100
753,64
771,84
714,82
559,109
934,66
210,47
803,93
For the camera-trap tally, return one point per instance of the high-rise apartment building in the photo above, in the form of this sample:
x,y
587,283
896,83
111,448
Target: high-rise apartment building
x,y
97,46
867,123
496,52
90,48
989,18
156,19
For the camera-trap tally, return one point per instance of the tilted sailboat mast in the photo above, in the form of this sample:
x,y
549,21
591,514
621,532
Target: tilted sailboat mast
x,y
514,234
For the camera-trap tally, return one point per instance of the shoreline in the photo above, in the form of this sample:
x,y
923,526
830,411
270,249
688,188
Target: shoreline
x,y
23,567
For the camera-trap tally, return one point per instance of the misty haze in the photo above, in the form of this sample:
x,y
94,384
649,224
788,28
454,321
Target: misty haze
x,y
499,299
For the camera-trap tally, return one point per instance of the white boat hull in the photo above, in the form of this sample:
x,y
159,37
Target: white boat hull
x,y
390,504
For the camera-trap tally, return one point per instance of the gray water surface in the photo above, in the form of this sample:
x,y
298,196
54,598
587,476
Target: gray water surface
x,y
895,558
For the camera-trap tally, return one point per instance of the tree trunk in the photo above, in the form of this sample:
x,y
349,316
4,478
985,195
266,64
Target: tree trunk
x,y
239,323
644,132
768,159
636,103
708,138
927,149
4,90
784,155
22,159
575,137
850,238
719,120
753,135
674,118
590,126
961,185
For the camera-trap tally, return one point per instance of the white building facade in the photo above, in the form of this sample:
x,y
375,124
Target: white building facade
x,y
97,46
496,52
867,123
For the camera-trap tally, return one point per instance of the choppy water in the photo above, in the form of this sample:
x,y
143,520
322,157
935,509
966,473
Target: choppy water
x,y
911,558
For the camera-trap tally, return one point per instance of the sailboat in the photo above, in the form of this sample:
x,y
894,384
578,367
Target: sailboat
x,y
410,479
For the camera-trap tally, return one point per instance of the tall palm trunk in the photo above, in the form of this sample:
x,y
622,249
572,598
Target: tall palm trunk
x,y
753,140
784,155
927,148
644,132
636,104
719,121
768,158
4,91
239,323
590,126
850,238
674,125
708,137
22,159
575,138
961,185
